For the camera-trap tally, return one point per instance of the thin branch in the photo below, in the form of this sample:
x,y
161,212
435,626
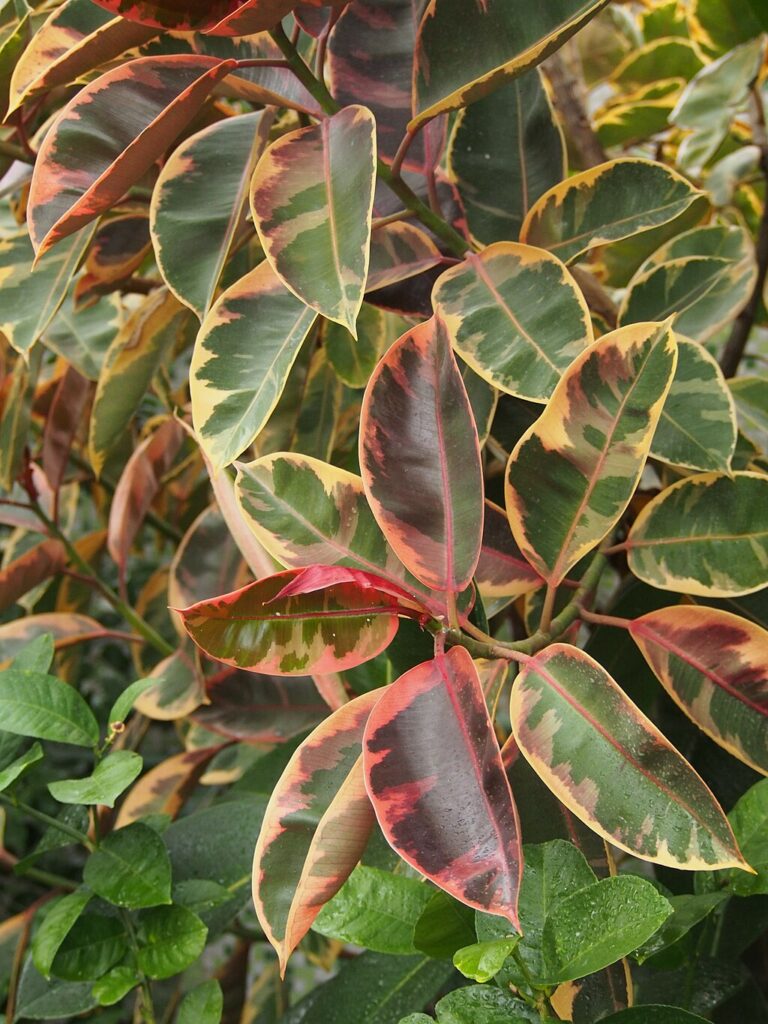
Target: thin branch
x,y
568,91
742,326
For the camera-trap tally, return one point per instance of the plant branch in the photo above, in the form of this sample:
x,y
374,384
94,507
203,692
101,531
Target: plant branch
x,y
10,149
604,620
317,89
742,325
141,626
568,90
47,820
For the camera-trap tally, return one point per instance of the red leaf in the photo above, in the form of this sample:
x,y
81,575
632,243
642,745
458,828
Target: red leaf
x,y
435,778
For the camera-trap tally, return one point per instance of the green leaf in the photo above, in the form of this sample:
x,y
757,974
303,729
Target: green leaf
x,y
483,1004
171,938
697,427
600,924
34,704
55,927
654,1015
36,656
449,74
311,198
687,912
749,819
241,361
93,944
110,778
31,296
130,868
39,999
611,766
483,960
505,151
186,215
124,703
445,925
203,1005
573,472
705,535
16,768
375,909
609,202
751,397
491,306
83,336
113,986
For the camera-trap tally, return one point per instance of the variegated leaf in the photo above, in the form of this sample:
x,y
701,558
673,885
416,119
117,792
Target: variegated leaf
x,y
572,473
449,74
714,665
76,38
609,202
119,247
435,778
198,15
243,355
420,459
610,765
750,395
187,215
492,307
697,426
312,197
90,158
315,828
323,631
502,571
504,152
706,535
32,295
399,251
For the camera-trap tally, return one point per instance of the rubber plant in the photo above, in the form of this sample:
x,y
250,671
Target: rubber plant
x,y
383,396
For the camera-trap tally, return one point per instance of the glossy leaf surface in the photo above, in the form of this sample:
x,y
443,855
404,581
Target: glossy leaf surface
x,y
502,571
572,474
706,535
714,666
238,373
324,631
420,459
605,204
504,45
492,309
312,197
158,97
444,802
315,827
611,766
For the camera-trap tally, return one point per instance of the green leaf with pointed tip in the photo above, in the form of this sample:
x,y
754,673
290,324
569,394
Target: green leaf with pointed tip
x,y
243,354
110,778
312,197
697,426
31,296
170,940
16,768
130,868
94,943
124,703
687,912
113,986
203,1005
35,656
39,705
600,924
449,75
749,819
491,306
55,927
39,999
573,472
354,359
705,535
483,960
375,909
612,768
505,151
703,292
609,202
446,925
188,216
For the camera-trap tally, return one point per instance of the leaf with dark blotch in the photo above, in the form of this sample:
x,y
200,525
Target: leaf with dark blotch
x,y
502,571
399,251
197,15
574,471
714,665
611,766
117,251
311,199
325,631
420,459
90,158
315,827
435,777
165,788
69,404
